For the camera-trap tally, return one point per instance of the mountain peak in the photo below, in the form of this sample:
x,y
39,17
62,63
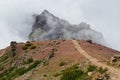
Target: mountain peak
x,y
49,27
46,12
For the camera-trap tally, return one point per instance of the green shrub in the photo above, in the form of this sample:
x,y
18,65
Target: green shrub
x,y
27,45
33,47
13,72
56,75
45,75
74,73
4,57
33,65
20,71
8,73
62,63
30,60
92,68
101,70
1,68
25,48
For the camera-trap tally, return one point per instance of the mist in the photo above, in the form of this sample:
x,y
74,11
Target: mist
x,y
16,17
49,27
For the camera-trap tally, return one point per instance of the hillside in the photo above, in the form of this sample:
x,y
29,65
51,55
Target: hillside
x,y
59,60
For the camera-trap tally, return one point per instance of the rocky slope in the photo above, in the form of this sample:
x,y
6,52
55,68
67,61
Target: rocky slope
x,y
59,51
49,27
55,60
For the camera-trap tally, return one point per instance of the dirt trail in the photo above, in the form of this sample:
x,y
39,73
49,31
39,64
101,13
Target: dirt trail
x,y
114,72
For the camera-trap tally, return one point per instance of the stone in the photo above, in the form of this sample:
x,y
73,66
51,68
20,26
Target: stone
x,y
90,73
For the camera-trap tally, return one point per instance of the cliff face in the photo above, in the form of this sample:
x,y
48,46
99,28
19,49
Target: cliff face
x,y
50,27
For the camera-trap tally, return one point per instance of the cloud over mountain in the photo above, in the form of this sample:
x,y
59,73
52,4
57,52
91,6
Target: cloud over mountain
x,y
49,27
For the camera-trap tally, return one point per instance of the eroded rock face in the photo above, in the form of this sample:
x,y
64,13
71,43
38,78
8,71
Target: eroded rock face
x,y
50,27
13,45
115,60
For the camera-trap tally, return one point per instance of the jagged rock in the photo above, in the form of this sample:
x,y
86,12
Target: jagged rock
x,y
51,54
115,60
89,41
107,76
13,45
49,27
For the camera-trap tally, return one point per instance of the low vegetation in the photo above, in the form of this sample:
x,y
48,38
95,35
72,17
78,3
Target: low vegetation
x,y
1,68
30,60
25,61
74,73
79,73
92,68
27,45
62,63
102,71
33,47
14,72
4,57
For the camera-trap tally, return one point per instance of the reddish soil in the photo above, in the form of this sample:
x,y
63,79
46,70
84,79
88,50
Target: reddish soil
x,y
102,53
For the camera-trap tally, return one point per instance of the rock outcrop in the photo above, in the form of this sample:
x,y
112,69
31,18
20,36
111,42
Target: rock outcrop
x,y
115,60
49,27
13,45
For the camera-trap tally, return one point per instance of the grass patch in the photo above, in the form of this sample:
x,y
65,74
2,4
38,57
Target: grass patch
x,y
74,73
4,57
1,68
34,65
13,72
27,45
92,68
30,60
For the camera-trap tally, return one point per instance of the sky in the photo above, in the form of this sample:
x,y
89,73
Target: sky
x,y
103,15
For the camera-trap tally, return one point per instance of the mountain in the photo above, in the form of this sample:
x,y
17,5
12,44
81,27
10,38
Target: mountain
x,y
59,60
49,27
58,50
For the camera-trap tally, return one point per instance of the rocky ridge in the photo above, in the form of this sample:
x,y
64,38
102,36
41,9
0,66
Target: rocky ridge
x,y
49,27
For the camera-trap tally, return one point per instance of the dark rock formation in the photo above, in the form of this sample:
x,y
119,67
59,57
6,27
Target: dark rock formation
x,y
50,27
115,60
13,45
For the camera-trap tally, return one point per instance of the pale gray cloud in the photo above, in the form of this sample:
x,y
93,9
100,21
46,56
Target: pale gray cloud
x,y
103,15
